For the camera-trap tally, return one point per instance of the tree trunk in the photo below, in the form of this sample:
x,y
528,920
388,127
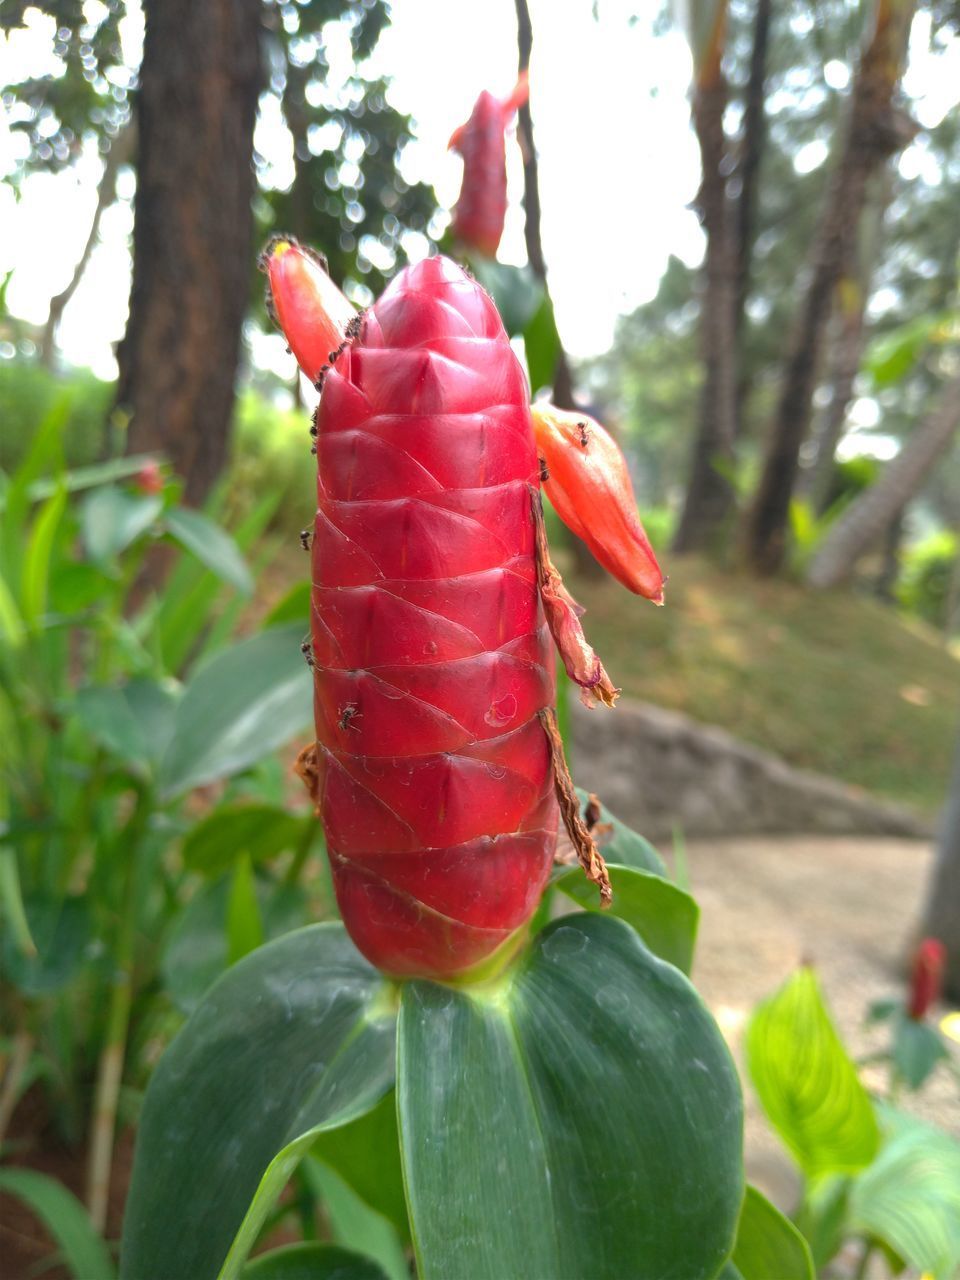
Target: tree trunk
x,y
192,239
563,395
853,293
942,916
748,167
710,493
120,153
875,130
872,513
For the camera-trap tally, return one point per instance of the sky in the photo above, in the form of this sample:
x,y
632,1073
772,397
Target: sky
x,y
618,160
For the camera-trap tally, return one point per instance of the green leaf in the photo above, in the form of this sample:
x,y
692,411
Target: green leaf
x,y
244,925
576,1117
61,931
881,1010
211,545
105,714
261,831
153,706
65,1218
516,291
366,1155
917,1048
353,1223
664,916
807,1084
910,1197
620,843
111,519
312,1261
36,561
198,950
295,1039
822,1217
541,344
768,1244
11,904
246,702
293,607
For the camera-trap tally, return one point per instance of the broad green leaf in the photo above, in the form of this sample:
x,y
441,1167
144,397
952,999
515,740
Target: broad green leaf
x,y
111,519
910,1196
244,925
65,1218
153,705
295,1039
366,1155
581,1117
807,1084
516,291
211,545
353,1223
620,843
77,585
60,929
198,950
261,831
664,916
917,1048
768,1244
312,1261
246,702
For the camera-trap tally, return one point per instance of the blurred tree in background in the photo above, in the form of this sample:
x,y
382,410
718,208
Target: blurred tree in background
x,y
207,71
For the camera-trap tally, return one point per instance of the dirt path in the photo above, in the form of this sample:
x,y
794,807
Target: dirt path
x,y
848,905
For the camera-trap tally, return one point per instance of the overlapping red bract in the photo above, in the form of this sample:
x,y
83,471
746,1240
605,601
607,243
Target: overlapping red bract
x,y
432,657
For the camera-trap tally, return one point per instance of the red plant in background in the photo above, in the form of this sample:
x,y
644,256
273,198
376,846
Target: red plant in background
x,y
437,768
149,479
480,211
926,977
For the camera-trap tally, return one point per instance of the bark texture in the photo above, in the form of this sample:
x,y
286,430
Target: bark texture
x,y
873,513
193,229
942,916
709,498
751,151
875,130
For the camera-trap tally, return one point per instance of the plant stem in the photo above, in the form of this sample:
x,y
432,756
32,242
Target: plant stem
x,y
110,1065
10,1092
864,1262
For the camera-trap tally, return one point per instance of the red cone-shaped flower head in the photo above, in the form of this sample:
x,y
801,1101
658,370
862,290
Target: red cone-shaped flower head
x,y
479,213
589,485
309,308
926,976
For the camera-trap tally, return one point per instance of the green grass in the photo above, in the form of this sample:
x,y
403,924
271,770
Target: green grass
x,y
834,682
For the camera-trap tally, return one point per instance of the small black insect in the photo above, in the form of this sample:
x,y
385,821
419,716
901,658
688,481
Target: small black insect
x,y
348,714
307,650
305,537
584,434
544,473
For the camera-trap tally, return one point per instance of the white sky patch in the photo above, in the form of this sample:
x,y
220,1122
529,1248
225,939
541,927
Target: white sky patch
x,y
619,163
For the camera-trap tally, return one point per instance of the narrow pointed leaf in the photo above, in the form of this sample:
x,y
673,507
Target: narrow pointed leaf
x,y
353,1223
768,1244
296,1038
580,1119
111,519
211,545
65,1218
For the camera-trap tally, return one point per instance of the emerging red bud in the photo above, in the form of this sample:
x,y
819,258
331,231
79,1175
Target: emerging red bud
x,y
309,308
925,979
589,485
149,479
479,213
